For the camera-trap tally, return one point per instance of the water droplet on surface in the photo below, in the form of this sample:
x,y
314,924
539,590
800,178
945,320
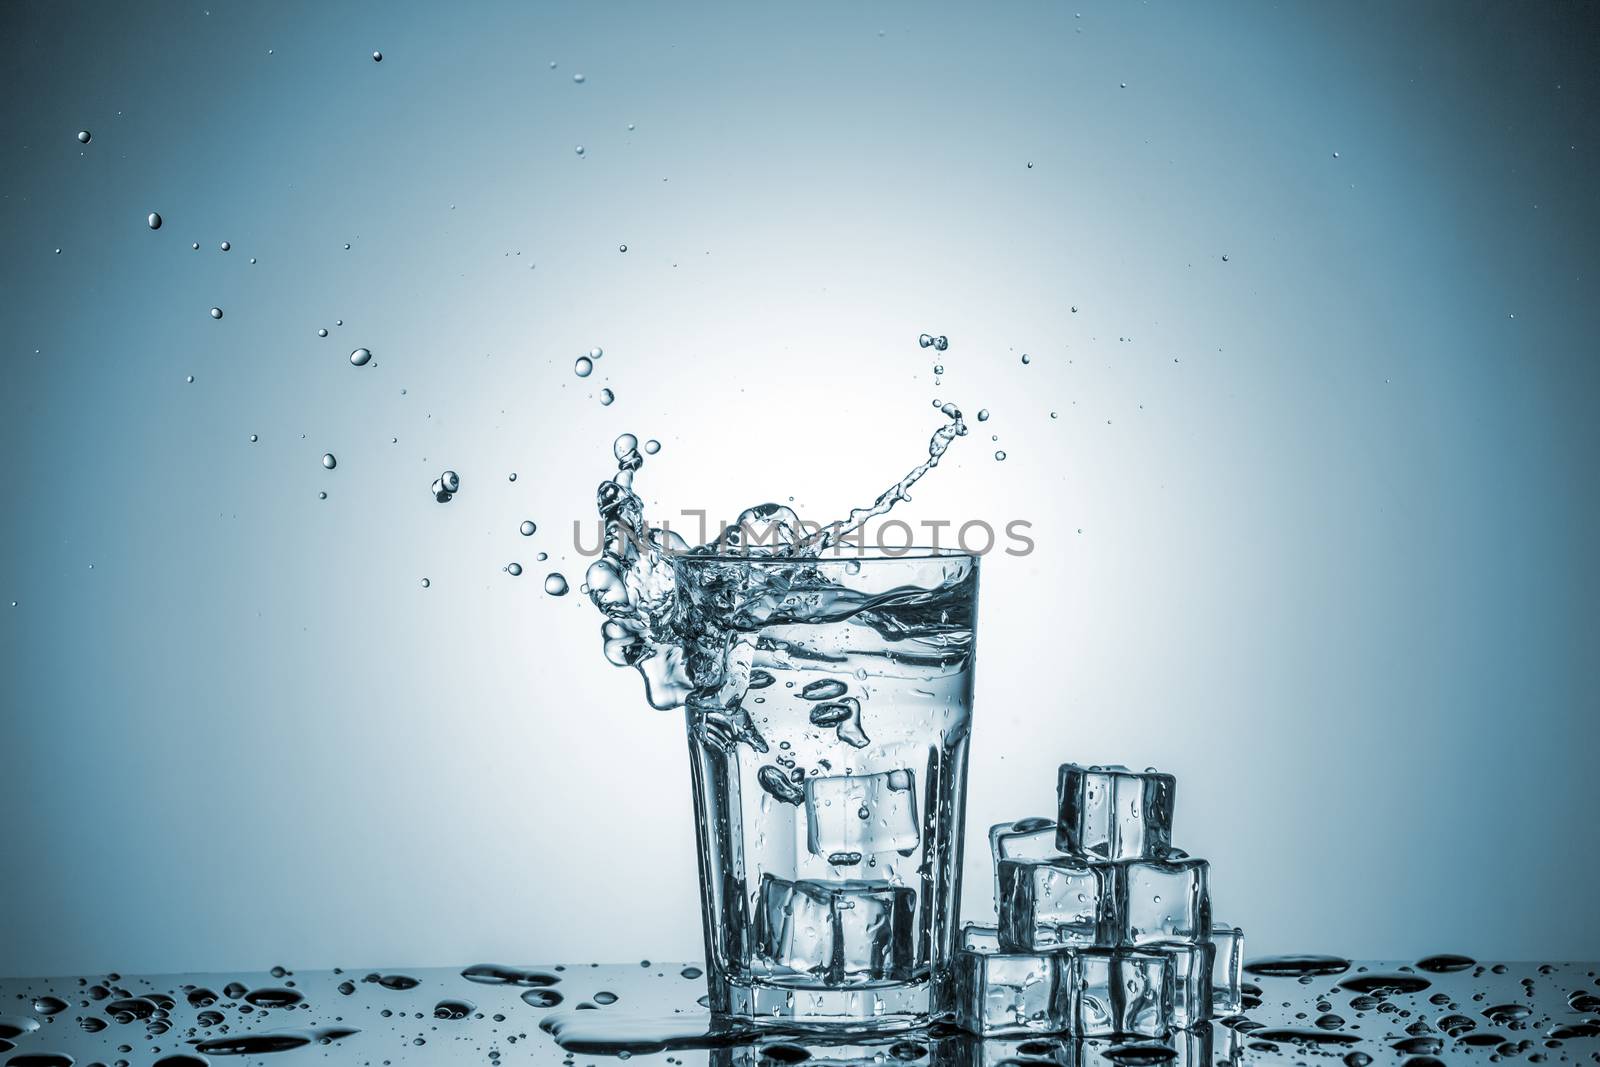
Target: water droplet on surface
x,y
453,1009
583,367
361,357
514,569
84,136
49,1005
153,221
607,396
692,973
329,460
216,313
542,998
555,583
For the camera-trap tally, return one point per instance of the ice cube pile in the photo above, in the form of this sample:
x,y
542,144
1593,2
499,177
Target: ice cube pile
x,y
1104,929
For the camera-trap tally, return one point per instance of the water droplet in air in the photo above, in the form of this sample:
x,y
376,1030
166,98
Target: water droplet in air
x,y
528,528
925,340
596,352
583,367
154,221
252,438
322,496
1074,309
622,248
425,584
941,343
83,136
360,357
541,556
226,247
195,245
190,379
578,78
983,414
607,396
652,446
451,481
329,460
377,57
1025,359
323,332
1000,456
514,569
938,368
555,584
216,313
578,149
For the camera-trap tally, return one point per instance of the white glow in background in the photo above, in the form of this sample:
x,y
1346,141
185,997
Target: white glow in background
x,y
1336,503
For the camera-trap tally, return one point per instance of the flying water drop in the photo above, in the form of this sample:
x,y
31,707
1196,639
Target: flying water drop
x,y
607,396
528,528
555,583
154,221
360,357
514,569
329,460
84,136
583,367
216,313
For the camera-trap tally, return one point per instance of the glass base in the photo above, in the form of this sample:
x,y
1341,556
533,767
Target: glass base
x,y
882,1007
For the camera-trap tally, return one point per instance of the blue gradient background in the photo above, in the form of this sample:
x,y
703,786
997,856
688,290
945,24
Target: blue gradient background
x,y
1318,536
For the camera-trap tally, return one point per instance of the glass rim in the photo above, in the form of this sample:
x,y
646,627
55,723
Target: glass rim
x,y
909,554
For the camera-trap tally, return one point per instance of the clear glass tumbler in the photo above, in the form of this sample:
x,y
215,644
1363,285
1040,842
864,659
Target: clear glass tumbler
x,y
828,736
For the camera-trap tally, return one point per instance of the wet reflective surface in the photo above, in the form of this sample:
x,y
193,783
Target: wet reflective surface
x,y
1307,1009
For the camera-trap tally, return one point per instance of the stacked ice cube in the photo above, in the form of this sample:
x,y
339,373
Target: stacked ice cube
x,y
1104,928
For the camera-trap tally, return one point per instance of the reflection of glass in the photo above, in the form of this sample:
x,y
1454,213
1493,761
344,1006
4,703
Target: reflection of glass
x,y
828,733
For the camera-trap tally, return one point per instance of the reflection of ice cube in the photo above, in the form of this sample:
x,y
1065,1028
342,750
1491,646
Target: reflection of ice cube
x,y
862,813
1190,964
1227,996
1117,991
980,938
1163,900
1060,901
1009,993
1114,812
1025,839
836,932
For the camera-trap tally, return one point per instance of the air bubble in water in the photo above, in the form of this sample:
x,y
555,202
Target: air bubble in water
x,y
528,528
361,357
607,396
154,220
555,584
652,446
583,367
514,569
329,460
84,136
216,313
1000,456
